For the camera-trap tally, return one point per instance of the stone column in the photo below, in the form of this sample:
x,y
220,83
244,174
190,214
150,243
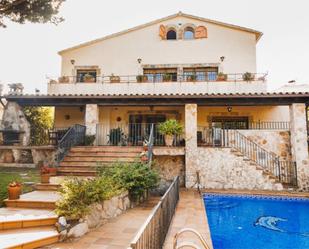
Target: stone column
x,y
191,143
91,118
299,144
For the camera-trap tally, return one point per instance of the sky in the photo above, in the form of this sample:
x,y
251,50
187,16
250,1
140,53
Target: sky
x,y
28,53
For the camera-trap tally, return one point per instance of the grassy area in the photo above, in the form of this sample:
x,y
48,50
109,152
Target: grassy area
x,y
8,175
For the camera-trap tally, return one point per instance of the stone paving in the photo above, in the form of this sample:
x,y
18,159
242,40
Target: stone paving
x,y
190,213
116,234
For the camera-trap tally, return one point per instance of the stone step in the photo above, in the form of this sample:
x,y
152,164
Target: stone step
x,y
99,159
76,172
15,218
118,149
35,199
17,165
28,238
90,164
103,154
46,187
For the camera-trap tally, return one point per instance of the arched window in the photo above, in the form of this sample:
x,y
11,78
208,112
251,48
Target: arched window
x,y
188,33
171,35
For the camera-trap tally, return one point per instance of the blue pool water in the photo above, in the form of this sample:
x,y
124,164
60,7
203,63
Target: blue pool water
x,y
253,222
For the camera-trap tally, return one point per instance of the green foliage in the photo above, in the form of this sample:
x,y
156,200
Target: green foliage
x,y
248,76
170,127
78,194
116,137
41,120
89,140
135,177
35,11
8,175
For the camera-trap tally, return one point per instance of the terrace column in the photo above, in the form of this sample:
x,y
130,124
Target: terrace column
x,y
299,143
91,118
191,143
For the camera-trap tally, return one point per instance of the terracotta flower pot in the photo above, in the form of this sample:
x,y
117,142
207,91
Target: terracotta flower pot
x,y
169,140
53,171
144,158
14,192
45,178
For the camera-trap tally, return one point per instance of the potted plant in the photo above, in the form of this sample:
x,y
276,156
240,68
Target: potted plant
x,y
144,157
141,78
221,77
45,174
191,77
114,79
64,79
167,77
169,129
14,190
88,78
248,76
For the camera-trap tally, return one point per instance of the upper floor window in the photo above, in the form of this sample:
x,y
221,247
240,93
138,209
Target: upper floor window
x,y
188,33
171,35
87,76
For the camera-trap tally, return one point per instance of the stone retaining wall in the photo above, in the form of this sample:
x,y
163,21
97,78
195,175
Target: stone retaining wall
x,y
168,167
99,214
219,168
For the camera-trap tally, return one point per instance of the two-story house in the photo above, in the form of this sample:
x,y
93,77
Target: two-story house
x,y
201,72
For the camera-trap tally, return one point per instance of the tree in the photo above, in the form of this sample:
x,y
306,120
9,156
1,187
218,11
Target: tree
x,y
35,11
41,120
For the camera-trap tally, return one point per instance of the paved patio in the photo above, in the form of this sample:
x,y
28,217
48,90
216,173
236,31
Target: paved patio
x,y
190,213
116,234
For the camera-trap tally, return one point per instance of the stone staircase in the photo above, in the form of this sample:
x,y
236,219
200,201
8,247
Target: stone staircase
x,y
29,222
268,176
83,160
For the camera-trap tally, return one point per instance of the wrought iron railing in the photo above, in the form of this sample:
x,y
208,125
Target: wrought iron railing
x,y
73,137
159,77
256,125
283,170
132,134
150,145
153,232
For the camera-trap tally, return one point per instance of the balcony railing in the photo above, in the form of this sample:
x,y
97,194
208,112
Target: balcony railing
x,y
159,78
132,134
255,125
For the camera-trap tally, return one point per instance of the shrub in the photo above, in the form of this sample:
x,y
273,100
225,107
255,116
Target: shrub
x,y
170,127
135,177
78,194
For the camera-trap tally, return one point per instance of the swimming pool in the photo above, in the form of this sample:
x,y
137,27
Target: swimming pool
x,y
257,222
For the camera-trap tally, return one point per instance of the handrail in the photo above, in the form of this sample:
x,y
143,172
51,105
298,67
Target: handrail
x,y
74,136
283,170
150,145
160,77
189,230
152,233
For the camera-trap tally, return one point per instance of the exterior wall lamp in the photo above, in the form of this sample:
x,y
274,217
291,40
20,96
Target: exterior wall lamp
x,y
139,60
222,58
72,61
229,108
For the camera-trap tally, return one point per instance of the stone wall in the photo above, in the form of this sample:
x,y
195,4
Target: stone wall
x,y
169,167
219,168
99,214
277,142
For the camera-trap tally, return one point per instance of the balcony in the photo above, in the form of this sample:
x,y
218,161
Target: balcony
x,y
159,84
